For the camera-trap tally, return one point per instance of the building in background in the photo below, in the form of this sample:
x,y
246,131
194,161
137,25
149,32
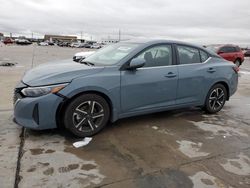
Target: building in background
x,y
60,38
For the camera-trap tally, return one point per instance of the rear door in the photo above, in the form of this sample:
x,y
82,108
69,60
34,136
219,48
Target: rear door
x,y
193,74
153,85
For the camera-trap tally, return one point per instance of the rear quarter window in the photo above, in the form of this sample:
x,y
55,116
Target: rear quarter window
x,y
204,56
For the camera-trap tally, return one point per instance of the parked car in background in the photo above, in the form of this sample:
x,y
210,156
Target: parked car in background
x,y
230,52
75,45
64,44
123,80
96,46
247,53
82,55
43,44
23,42
87,45
51,43
8,41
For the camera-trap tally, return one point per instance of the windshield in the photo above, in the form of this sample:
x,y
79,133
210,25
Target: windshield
x,y
111,54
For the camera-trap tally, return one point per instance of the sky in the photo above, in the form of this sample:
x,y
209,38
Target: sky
x,y
198,21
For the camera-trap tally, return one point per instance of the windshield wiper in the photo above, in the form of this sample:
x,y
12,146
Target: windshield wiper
x,y
87,63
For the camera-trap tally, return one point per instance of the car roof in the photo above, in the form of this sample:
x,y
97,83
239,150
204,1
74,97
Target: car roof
x,y
157,41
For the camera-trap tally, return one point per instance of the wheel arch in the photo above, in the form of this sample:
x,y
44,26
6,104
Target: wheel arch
x,y
238,58
61,108
225,85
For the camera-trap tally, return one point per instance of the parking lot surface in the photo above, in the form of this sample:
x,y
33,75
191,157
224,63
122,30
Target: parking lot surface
x,y
182,148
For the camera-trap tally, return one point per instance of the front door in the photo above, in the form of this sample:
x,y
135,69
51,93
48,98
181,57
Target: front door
x,y
153,85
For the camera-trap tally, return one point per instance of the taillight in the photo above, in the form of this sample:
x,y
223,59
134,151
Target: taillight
x,y
236,69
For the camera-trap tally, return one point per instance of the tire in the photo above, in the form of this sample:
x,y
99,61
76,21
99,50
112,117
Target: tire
x,y
86,115
237,63
216,98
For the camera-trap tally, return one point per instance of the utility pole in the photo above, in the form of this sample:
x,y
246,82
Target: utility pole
x,y
81,36
119,33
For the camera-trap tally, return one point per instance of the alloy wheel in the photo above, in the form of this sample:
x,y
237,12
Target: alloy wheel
x,y
217,99
88,116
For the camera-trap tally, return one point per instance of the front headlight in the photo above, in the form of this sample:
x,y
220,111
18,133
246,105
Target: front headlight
x,y
44,90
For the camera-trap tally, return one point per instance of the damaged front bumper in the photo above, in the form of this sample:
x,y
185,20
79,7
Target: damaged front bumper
x,y
36,112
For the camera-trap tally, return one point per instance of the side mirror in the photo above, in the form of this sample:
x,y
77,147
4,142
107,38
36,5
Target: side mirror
x,y
136,63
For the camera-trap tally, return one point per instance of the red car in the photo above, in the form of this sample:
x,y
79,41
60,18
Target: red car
x,y
8,41
229,52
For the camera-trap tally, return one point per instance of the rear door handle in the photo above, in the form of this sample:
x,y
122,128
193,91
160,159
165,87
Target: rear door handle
x,y
170,75
211,70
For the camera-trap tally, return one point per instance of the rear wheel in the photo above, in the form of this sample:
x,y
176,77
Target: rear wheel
x,y
86,115
237,62
216,99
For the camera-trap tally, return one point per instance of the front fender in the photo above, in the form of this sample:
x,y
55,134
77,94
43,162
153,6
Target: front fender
x,y
108,86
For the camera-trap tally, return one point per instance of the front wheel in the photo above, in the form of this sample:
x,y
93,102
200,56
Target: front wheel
x,y
216,99
86,115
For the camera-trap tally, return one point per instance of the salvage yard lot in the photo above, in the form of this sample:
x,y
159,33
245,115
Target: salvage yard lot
x,y
182,148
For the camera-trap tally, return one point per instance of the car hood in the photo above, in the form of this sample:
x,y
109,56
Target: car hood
x,y
57,72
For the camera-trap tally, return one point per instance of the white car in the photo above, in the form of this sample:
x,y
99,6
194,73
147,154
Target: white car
x,y
82,55
96,46
43,44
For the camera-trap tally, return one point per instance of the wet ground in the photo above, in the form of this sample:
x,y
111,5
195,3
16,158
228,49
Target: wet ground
x,y
183,148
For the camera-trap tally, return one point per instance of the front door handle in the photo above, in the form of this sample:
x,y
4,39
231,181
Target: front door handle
x,y
170,75
211,70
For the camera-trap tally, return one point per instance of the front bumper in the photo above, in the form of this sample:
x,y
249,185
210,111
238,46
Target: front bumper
x,y
38,112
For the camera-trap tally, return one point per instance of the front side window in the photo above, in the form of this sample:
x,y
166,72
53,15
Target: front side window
x,y
188,55
157,56
231,49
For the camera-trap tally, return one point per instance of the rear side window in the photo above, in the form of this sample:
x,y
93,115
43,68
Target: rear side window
x,y
224,49
228,49
188,55
232,49
204,56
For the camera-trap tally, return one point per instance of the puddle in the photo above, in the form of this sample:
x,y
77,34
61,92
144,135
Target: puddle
x,y
218,130
162,131
244,72
204,180
54,167
167,178
191,149
238,166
